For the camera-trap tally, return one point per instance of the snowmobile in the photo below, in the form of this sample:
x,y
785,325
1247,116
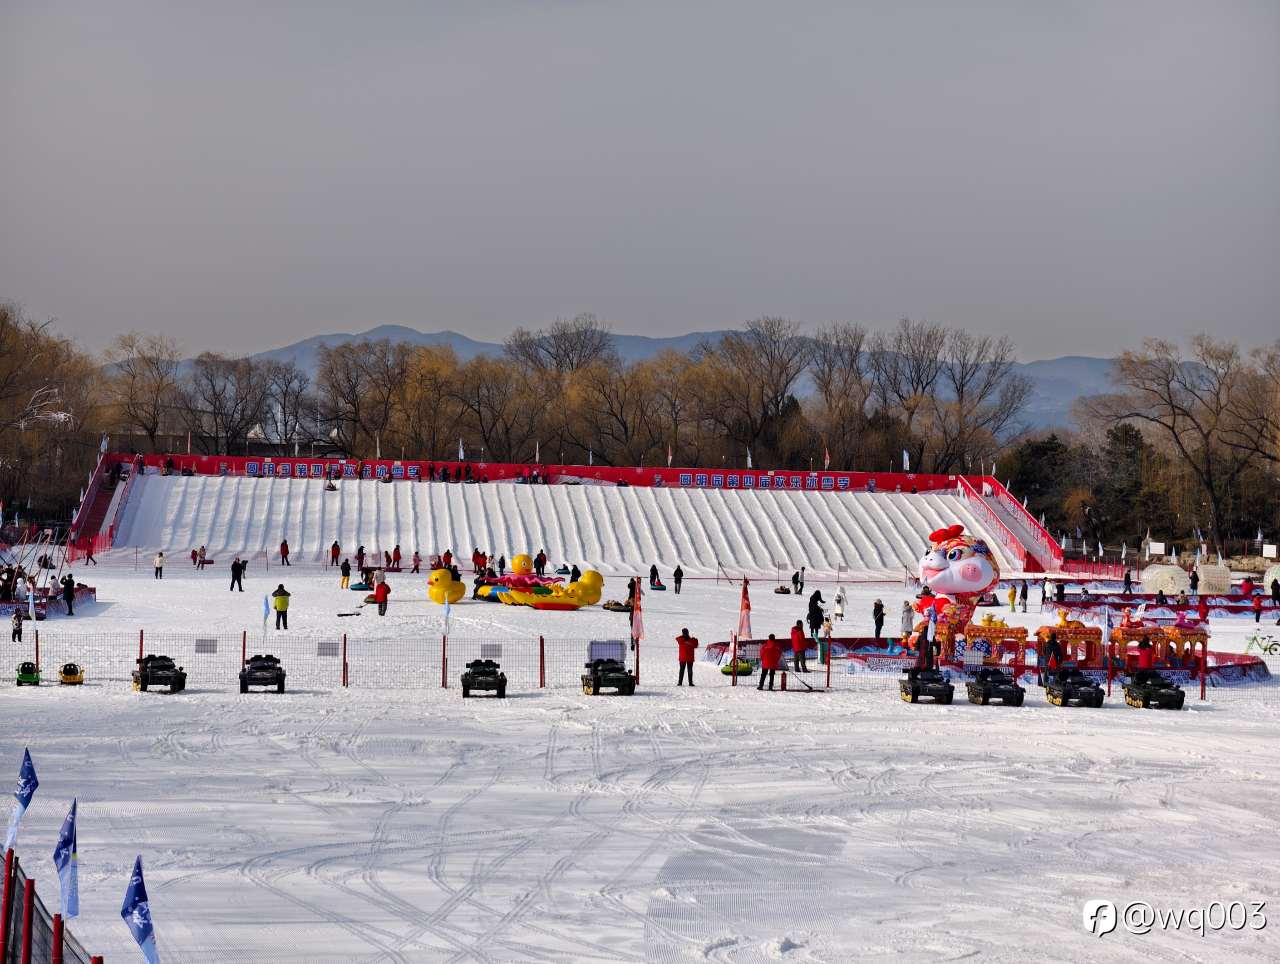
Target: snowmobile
x,y
262,671
484,674
994,684
28,674
1068,685
1148,689
71,674
159,671
602,673
925,682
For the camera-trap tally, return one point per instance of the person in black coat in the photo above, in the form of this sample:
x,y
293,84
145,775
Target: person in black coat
x,y
677,577
575,573
237,575
1195,581
877,617
68,592
815,613
653,576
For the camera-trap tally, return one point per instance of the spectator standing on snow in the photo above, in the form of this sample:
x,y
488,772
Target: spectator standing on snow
x,y
335,550
1013,599
575,573
770,658
284,552
795,582
502,565
801,589
195,555
815,615
653,576
158,563
1257,608
204,556
688,644
907,621
1022,595
69,592
417,561
840,600
677,577
15,632
345,570
446,559
799,644
360,558
237,575
280,603
1128,585
395,557
381,593
877,616
540,562
1275,592
1195,580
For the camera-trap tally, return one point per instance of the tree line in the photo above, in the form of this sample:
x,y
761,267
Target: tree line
x,y
1190,426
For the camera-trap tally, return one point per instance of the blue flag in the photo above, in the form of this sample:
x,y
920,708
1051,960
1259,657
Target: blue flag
x,y
64,858
136,912
22,795
266,609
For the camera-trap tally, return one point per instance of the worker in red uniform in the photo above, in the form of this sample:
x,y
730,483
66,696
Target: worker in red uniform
x,y
799,643
770,660
381,592
395,557
284,552
1257,608
335,551
688,644
1146,654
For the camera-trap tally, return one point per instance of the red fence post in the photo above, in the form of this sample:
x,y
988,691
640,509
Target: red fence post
x,y
140,632
6,904
1111,665
542,663
344,660
637,642
244,644
56,957
37,650
444,662
733,664
1204,665
828,663
96,960
28,911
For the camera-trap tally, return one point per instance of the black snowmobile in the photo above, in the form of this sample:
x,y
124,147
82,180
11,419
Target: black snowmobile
x,y
994,684
607,673
262,671
1147,689
484,674
925,682
155,671
1068,686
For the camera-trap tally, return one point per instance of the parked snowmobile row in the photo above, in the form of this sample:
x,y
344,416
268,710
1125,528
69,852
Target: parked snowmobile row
x,y
1146,689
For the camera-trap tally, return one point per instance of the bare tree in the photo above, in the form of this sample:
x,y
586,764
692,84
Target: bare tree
x,y
978,399
1192,403
495,409
290,410
144,382
841,370
562,348
905,366
222,401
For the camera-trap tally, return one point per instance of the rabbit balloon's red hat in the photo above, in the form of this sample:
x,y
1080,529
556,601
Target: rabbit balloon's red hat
x,y
945,535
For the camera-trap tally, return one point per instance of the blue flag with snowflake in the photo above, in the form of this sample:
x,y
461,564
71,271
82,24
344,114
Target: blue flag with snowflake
x,y
136,913
64,858
22,795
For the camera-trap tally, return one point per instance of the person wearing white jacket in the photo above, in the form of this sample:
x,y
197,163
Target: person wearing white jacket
x,y
840,601
158,562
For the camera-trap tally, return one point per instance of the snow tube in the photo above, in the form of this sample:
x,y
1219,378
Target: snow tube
x,y
658,588
360,587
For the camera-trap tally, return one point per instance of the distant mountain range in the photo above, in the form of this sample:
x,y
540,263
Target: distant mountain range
x,y
1058,381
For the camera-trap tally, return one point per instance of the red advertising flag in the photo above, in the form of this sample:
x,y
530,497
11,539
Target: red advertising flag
x,y
744,614
637,617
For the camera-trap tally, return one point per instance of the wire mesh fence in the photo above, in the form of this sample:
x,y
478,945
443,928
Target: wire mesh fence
x,y
213,661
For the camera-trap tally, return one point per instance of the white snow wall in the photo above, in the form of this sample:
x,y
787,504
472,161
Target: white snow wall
x,y
617,530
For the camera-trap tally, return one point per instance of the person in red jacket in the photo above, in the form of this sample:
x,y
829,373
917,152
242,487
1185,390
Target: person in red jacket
x,y
770,660
446,558
335,550
1146,654
380,594
284,552
1257,609
687,646
799,643
417,561
395,557
1202,608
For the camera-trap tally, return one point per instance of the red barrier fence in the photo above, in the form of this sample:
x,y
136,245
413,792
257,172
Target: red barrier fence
x,y
29,934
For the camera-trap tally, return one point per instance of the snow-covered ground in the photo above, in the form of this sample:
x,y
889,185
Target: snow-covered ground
x,y
618,529
715,823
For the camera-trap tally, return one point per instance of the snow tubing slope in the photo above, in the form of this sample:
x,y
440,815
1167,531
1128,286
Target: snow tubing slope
x,y
617,530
